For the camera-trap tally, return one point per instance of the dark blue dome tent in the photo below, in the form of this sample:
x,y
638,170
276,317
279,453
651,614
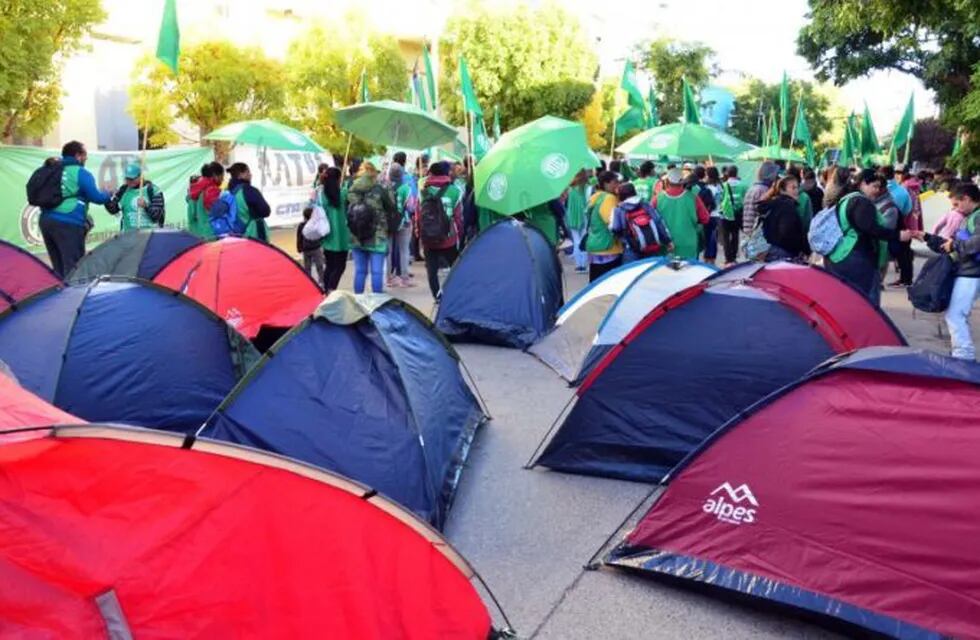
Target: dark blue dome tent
x,y
365,387
505,289
136,254
127,351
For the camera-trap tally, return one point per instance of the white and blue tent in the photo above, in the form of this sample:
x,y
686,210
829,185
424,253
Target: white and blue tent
x,y
604,313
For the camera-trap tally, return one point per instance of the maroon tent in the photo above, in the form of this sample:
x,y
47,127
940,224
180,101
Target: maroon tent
x,y
21,275
851,494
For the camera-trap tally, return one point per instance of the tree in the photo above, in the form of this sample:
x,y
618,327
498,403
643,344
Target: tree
x,y
218,83
530,62
35,39
596,122
668,61
937,42
323,73
931,143
756,94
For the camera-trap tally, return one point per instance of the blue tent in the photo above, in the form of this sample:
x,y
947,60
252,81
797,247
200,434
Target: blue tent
x,y
692,364
366,388
120,350
135,254
506,288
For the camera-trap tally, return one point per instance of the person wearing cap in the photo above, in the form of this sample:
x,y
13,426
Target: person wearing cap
x,y
64,227
767,175
683,212
138,203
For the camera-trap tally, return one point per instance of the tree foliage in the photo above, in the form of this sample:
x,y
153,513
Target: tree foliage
x,y
218,83
756,94
529,62
938,42
668,61
323,73
35,38
931,143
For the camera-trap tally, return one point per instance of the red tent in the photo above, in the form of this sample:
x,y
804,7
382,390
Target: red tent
x,y
248,283
851,494
20,408
861,323
21,275
111,528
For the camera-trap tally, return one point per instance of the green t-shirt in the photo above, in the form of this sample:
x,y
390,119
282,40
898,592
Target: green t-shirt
x,y
644,187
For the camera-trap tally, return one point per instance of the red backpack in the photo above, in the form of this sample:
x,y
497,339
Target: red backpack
x,y
641,231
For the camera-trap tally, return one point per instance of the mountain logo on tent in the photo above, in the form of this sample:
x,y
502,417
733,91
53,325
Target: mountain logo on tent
x,y
730,510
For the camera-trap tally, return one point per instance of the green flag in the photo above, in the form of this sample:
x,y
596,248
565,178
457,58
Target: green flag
x,y
470,102
957,144
783,107
801,132
903,131
168,42
481,141
653,116
496,122
633,96
773,128
430,78
633,118
869,139
365,96
692,114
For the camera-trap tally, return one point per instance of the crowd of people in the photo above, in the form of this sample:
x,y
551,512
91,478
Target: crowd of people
x,y
382,218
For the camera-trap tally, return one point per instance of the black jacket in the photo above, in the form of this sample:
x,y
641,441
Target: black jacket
x,y
863,216
782,225
257,206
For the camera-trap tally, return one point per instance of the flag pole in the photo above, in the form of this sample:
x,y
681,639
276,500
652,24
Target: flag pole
x,y
469,137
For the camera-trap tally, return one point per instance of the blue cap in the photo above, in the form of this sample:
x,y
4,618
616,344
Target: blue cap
x,y
132,171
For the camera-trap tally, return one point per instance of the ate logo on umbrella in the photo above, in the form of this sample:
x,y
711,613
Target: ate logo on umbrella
x,y
554,166
734,509
497,186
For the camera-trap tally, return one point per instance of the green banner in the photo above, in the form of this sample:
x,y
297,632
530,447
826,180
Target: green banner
x,y
168,169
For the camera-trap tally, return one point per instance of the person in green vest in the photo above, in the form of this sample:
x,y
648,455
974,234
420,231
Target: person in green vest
x,y
683,212
733,194
964,248
251,204
645,184
401,240
64,227
875,187
370,251
605,249
138,203
576,203
336,244
804,205
855,258
546,217
201,195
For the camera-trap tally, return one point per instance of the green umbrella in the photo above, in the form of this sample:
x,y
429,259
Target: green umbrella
x,y
684,140
594,160
396,124
772,152
531,164
265,133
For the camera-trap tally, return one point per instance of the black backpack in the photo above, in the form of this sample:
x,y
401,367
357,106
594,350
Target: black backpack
x,y
933,288
362,220
435,227
44,186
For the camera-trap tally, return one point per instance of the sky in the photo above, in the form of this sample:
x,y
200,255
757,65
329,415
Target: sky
x,y
755,37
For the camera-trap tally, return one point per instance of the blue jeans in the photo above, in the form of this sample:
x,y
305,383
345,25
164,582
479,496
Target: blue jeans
x,y
711,239
581,257
365,261
958,317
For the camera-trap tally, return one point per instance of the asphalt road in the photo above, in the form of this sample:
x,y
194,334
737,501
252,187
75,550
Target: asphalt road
x,y
529,532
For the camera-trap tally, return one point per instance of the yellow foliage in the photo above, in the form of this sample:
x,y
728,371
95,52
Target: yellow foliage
x,y
594,119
